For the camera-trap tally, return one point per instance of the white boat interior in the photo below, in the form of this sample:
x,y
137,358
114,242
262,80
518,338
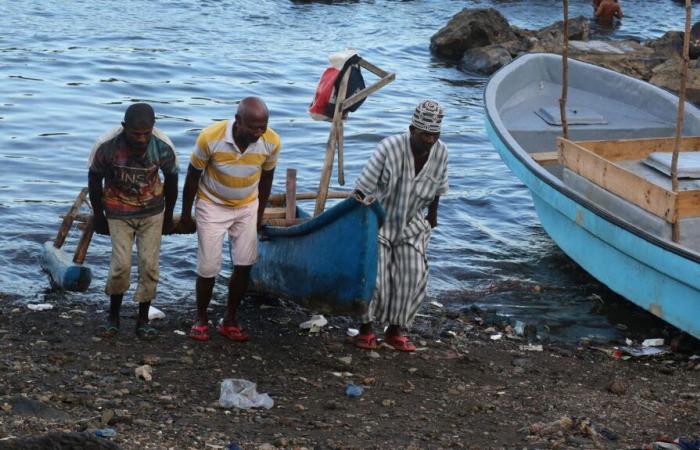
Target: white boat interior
x,y
602,106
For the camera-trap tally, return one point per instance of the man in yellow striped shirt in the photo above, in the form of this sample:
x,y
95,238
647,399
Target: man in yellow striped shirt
x,y
230,172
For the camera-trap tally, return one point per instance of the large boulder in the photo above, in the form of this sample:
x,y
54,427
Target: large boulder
x,y
670,45
485,60
471,28
668,76
579,30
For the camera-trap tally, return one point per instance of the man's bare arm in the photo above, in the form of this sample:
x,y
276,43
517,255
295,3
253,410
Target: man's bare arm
x,y
432,216
264,188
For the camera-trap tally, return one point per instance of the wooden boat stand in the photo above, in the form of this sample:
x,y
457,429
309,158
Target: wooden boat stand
x,y
86,226
335,138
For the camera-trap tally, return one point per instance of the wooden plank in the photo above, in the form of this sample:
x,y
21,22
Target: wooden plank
x,y
275,213
284,222
628,149
339,136
291,186
330,147
372,68
546,158
81,217
688,203
619,181
85,238
279,199
347,103
68,218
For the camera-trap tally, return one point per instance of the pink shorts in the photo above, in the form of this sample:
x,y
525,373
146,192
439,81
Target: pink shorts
x,y
213,223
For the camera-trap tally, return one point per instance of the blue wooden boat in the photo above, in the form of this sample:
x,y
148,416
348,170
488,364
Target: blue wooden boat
x,y
594,194
327,263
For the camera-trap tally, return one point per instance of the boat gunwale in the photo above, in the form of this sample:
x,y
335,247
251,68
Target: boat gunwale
x,y
328,216
556,183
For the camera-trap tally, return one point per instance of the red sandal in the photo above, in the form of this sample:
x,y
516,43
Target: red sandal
x,y
233,332
199,332
366,341
400,343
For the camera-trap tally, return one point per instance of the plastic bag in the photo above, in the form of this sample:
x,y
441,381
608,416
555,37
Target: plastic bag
x,y
242,394
323,105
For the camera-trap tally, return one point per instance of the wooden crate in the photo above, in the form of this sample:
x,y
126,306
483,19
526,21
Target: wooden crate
x,y
596,161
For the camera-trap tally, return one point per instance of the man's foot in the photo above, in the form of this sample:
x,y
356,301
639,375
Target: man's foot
x,y
145,331
399,342
233,332
108,329
367,341
200,332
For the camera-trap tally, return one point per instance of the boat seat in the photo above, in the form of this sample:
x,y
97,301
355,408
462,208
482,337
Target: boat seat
x,y
688,163
633,214
574,116
546,158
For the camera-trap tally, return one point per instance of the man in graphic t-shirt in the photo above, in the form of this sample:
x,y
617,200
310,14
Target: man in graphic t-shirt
x,y
130,202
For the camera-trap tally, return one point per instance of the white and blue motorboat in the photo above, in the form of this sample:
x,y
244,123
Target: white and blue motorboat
x,y
605,205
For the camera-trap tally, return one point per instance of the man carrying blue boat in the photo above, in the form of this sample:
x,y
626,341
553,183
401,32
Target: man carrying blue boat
x,y
230,172
133,205
407,174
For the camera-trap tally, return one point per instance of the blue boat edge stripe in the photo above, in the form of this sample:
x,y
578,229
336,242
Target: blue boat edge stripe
x,y
328,216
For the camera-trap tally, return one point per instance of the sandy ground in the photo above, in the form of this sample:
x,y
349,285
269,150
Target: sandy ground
x,y
460,390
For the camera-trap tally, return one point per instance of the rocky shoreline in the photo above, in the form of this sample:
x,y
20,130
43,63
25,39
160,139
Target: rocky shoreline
x,y
475,383
482,41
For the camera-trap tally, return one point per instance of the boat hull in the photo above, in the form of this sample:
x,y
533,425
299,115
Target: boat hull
x,y
661,281
328,263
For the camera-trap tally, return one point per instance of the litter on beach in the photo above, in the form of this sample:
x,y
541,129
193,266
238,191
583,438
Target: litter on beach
x,y
243,394
40,306
644,351
532,347
155,313
314,324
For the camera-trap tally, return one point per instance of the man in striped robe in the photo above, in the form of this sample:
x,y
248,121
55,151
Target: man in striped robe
x,y
407,174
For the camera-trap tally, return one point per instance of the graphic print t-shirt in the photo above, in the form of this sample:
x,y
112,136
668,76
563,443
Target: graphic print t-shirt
x,y
133,187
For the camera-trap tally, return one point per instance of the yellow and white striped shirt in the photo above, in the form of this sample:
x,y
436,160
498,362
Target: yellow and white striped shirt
x,y
230,177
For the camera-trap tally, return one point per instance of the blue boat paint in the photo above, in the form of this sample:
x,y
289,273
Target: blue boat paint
x,y
328,263
63,272
661,281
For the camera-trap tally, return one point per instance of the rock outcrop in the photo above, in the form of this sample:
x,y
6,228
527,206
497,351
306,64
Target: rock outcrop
x,y
471,28
484,41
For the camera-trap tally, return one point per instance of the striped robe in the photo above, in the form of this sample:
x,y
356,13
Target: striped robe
x,y
402,272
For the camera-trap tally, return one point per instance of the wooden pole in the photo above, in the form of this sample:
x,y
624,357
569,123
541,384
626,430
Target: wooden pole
x,y
84,243
291,204
330,147
68,218
277,199
676,230
564,72
339,136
